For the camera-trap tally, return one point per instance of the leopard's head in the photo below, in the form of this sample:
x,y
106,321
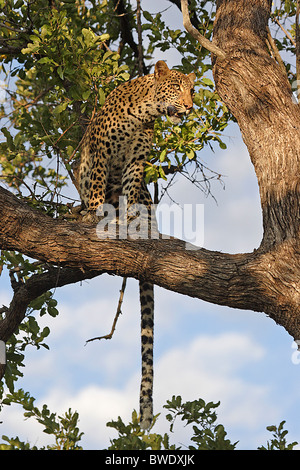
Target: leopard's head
x,y
174,91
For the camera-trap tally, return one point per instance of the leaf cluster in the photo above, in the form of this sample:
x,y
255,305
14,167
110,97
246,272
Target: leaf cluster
x,y
46,117
64,428
29,332
279,441
132,437
201,416
283,29
79,47
177,146
207,435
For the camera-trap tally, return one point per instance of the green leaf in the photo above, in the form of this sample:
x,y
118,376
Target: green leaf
x,y
60,108
89,37
9,138
104,37
101,97
163,155
60,72
45,332
106,55
53,312
33,325
190,153
207,82
222,145
86,94
18,4
148,16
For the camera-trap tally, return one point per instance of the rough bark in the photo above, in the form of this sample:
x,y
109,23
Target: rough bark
x,y
259,95
268,280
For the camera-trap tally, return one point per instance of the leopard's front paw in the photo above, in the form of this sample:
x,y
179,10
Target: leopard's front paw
x,y
90,217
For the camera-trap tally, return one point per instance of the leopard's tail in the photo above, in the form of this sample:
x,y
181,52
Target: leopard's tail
x,y
147,328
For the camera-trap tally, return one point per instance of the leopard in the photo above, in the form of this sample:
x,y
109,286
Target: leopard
x,y
114,153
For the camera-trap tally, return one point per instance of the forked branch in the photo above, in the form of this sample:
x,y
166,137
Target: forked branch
x,y
210,46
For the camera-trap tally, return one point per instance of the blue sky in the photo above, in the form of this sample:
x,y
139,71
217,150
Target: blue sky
x,y
241,358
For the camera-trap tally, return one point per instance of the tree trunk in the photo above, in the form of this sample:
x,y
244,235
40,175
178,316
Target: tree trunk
x,y
257,92
259,95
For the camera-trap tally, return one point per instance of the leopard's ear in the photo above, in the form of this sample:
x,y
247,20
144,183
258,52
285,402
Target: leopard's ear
x,y
161,71
192,77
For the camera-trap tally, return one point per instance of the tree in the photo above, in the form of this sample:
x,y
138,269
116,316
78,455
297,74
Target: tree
x,y
84,51
78,54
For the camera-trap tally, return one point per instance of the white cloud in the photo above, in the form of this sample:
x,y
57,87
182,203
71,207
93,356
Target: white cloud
x,y
3,87
4,297
234,222
91,317
96,406
209,367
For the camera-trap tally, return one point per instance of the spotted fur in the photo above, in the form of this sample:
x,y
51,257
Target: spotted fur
x,y
114,152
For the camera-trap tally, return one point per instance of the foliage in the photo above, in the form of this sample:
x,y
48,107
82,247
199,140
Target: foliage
x,y
64,428
207,435
283,29
75,45
29,332
201,416
279,441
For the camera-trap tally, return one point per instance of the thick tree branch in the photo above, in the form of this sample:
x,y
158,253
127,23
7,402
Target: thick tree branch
x,y
239,281
275,51
140,39
210,46
126,32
